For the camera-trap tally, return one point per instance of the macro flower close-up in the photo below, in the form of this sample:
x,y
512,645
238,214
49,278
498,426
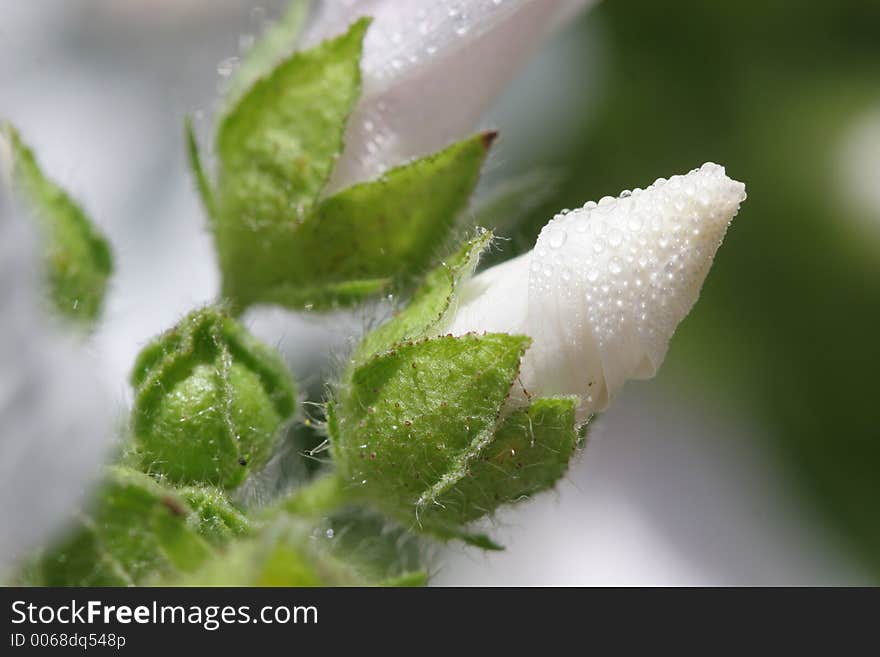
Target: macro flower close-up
x,y
346,294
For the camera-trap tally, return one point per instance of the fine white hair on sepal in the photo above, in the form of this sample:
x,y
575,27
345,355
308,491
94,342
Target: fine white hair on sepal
x,y
56,417
430,71
606,285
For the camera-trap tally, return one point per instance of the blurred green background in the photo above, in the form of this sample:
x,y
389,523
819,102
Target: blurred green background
x,y
787,96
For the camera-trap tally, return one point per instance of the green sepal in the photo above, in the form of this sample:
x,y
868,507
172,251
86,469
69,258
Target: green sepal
x,y
277,242
135,531
78,259
515,453
431,302
276,149
529,453
364,238
210,401
277,146
203,182
409,422
277,42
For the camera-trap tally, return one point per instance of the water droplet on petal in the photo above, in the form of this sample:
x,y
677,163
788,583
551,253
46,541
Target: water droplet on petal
x,y
557,238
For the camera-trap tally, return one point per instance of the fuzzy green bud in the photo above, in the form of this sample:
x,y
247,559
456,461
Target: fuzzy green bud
x,y
422,424
210,401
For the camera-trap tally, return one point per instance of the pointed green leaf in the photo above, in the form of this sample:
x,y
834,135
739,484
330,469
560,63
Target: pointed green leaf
x,y
277,43
364,237
530,452
409,422
430,303
78,257
203,183
276,149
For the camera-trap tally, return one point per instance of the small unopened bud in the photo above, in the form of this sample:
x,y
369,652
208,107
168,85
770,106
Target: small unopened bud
x,y
210,401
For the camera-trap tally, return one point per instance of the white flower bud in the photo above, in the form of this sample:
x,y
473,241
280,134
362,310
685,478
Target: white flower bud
x,y
606,285
430,70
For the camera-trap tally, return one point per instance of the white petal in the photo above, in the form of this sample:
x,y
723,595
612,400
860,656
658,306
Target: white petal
x,y
494,301
56,418
430,70
606,285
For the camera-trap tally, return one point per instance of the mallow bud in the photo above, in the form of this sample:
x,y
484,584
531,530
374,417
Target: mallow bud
x,y
210,401
471,397
420,425
605,286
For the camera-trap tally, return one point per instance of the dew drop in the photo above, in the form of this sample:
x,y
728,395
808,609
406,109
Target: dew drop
x,y
615,237
557,238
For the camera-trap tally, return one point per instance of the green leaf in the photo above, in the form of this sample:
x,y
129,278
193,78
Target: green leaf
x,y
136,531
409,422
365,237
277,42
277,148
530,452
393,226
430,303
277,242
210,401
203,183
77,256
